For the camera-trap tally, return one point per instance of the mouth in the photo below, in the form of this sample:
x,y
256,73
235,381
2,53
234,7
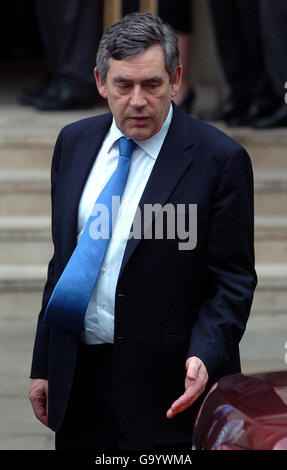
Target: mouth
x,y
139,121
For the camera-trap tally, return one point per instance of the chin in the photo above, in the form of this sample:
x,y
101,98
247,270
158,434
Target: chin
x,y
142,133
138,135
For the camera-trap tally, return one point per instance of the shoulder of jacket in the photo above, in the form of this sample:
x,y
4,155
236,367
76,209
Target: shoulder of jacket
x,y
87,125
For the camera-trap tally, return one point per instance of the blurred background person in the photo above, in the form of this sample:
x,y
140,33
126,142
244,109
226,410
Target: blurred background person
x,y
274,35
179,16
70,32
19,36
237,29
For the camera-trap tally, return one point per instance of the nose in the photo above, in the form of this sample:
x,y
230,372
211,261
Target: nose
x,y
138,99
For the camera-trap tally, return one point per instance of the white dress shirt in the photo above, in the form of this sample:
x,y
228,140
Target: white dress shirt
x,y
99,318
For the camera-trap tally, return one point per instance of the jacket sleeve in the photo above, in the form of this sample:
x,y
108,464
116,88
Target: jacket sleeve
x,y
39,367
222,317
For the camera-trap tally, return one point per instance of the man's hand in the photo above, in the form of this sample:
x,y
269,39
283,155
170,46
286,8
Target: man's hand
x,y
195,382
38,396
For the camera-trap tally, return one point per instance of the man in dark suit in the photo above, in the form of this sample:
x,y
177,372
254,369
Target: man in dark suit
x,y
168,309
274,35
70,34
237,29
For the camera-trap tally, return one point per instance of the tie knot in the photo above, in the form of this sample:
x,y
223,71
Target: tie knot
x,y
126,147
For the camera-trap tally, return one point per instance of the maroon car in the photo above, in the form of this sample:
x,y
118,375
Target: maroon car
x,y
244,412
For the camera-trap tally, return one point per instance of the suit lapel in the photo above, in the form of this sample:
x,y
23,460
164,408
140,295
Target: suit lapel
x,y
171,164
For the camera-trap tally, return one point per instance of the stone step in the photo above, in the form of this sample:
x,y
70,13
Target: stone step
x,y
267,148
28,239
270,188
39,155
25,240
263,347
23,149
269,157
25,181
271,239
21,288
256,138
27,192
271,291
270,295
18,156
19,278
267,181
20,303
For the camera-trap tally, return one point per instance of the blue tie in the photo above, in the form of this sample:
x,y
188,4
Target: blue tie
x,y
68,303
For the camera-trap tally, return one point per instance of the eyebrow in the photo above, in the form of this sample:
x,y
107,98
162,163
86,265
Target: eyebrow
x,y
120,80
155,79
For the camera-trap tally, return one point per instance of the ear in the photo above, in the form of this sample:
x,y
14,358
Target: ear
x,y
176,81
100,83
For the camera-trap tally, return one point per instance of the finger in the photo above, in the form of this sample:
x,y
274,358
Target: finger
x,y
184,401
194,367
195,382
199,382
38,401
194,387
39,408
196,371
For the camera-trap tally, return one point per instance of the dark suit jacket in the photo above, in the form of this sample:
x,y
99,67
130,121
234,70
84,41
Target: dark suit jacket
x,y
170,303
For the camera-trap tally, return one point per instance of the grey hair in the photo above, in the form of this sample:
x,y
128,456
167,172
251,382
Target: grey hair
x,y
134,34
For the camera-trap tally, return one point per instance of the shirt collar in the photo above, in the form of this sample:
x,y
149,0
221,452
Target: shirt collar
x,y
152,145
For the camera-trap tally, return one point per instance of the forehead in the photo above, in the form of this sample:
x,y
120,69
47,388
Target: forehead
x,y
148,63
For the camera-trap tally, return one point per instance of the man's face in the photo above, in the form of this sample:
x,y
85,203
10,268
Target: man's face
x,y
139,92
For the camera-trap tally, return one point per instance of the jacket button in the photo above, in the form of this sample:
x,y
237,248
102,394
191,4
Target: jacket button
x,y
120,338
